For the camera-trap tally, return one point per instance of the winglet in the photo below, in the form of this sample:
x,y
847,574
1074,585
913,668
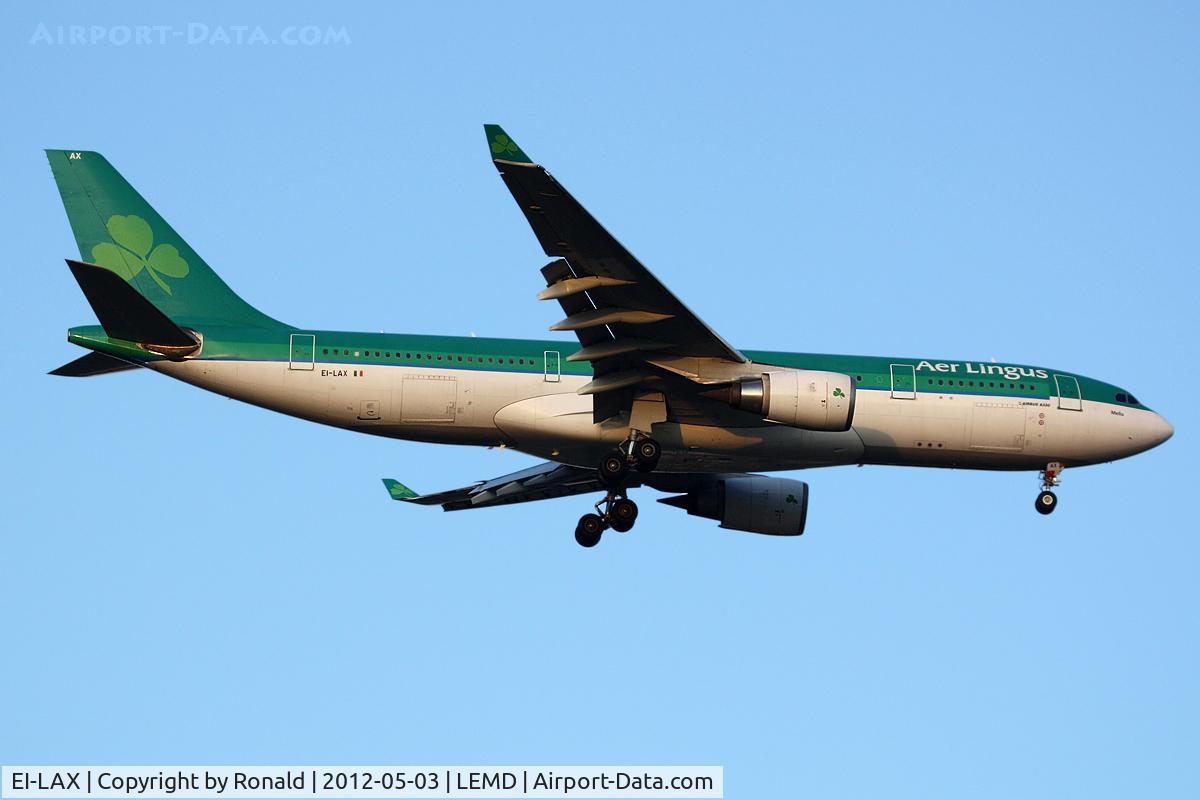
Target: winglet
x,y
503,147
398,490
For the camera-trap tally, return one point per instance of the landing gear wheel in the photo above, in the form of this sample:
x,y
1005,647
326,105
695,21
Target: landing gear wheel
x,y
613,469
589,530
647,452
622,514
1046,502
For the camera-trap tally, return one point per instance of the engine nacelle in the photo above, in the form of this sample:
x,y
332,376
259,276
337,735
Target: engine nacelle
x,y
801,398
754,503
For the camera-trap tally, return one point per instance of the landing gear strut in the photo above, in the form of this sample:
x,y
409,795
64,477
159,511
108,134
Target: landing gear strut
x,y
638,452
619,514
1047,500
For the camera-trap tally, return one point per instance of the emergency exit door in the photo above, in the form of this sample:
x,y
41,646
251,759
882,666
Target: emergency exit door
x,y
552,371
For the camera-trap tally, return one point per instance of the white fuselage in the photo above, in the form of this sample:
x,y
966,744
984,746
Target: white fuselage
x,y
544,416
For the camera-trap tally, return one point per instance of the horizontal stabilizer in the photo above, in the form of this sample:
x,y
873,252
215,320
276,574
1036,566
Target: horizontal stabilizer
x,y
124,313
93,364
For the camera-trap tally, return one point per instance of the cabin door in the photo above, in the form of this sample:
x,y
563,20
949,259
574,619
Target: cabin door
x,y
1068,393
302,351
904,382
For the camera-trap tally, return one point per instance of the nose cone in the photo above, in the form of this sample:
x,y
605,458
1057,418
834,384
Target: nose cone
x,y
1160,430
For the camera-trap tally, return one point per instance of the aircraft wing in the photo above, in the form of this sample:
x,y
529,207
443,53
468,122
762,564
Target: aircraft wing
x,y
622,314
547,481
541,482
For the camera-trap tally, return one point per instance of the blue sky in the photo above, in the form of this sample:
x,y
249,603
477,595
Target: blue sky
x,y
190,580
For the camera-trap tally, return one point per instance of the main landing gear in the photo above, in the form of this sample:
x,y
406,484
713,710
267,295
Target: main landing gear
x,y
1047,500
619,514
638,452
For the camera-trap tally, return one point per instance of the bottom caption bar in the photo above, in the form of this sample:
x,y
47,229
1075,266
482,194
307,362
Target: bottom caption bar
x,y
46,783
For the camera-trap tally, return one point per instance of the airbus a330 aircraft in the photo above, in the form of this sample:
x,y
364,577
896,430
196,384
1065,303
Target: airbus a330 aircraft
x,y
651,396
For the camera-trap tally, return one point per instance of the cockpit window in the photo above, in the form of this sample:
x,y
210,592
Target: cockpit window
x,y
1133,400
1122,398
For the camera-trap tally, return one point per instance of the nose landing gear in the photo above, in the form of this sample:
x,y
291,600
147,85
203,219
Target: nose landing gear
x,y
1047,500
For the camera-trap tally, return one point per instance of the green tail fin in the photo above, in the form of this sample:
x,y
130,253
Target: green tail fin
x,y
117,229
503,147
398,490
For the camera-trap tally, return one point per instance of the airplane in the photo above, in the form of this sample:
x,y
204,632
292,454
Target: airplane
x,y
650,396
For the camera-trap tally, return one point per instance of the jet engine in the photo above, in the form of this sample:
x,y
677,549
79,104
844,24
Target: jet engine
x,y
801,398
754,503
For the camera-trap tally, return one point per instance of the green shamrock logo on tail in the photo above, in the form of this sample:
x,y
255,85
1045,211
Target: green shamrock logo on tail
x,y
837,392
134,251
501,145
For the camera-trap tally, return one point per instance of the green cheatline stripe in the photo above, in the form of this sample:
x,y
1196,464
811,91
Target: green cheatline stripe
x,y
870,372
